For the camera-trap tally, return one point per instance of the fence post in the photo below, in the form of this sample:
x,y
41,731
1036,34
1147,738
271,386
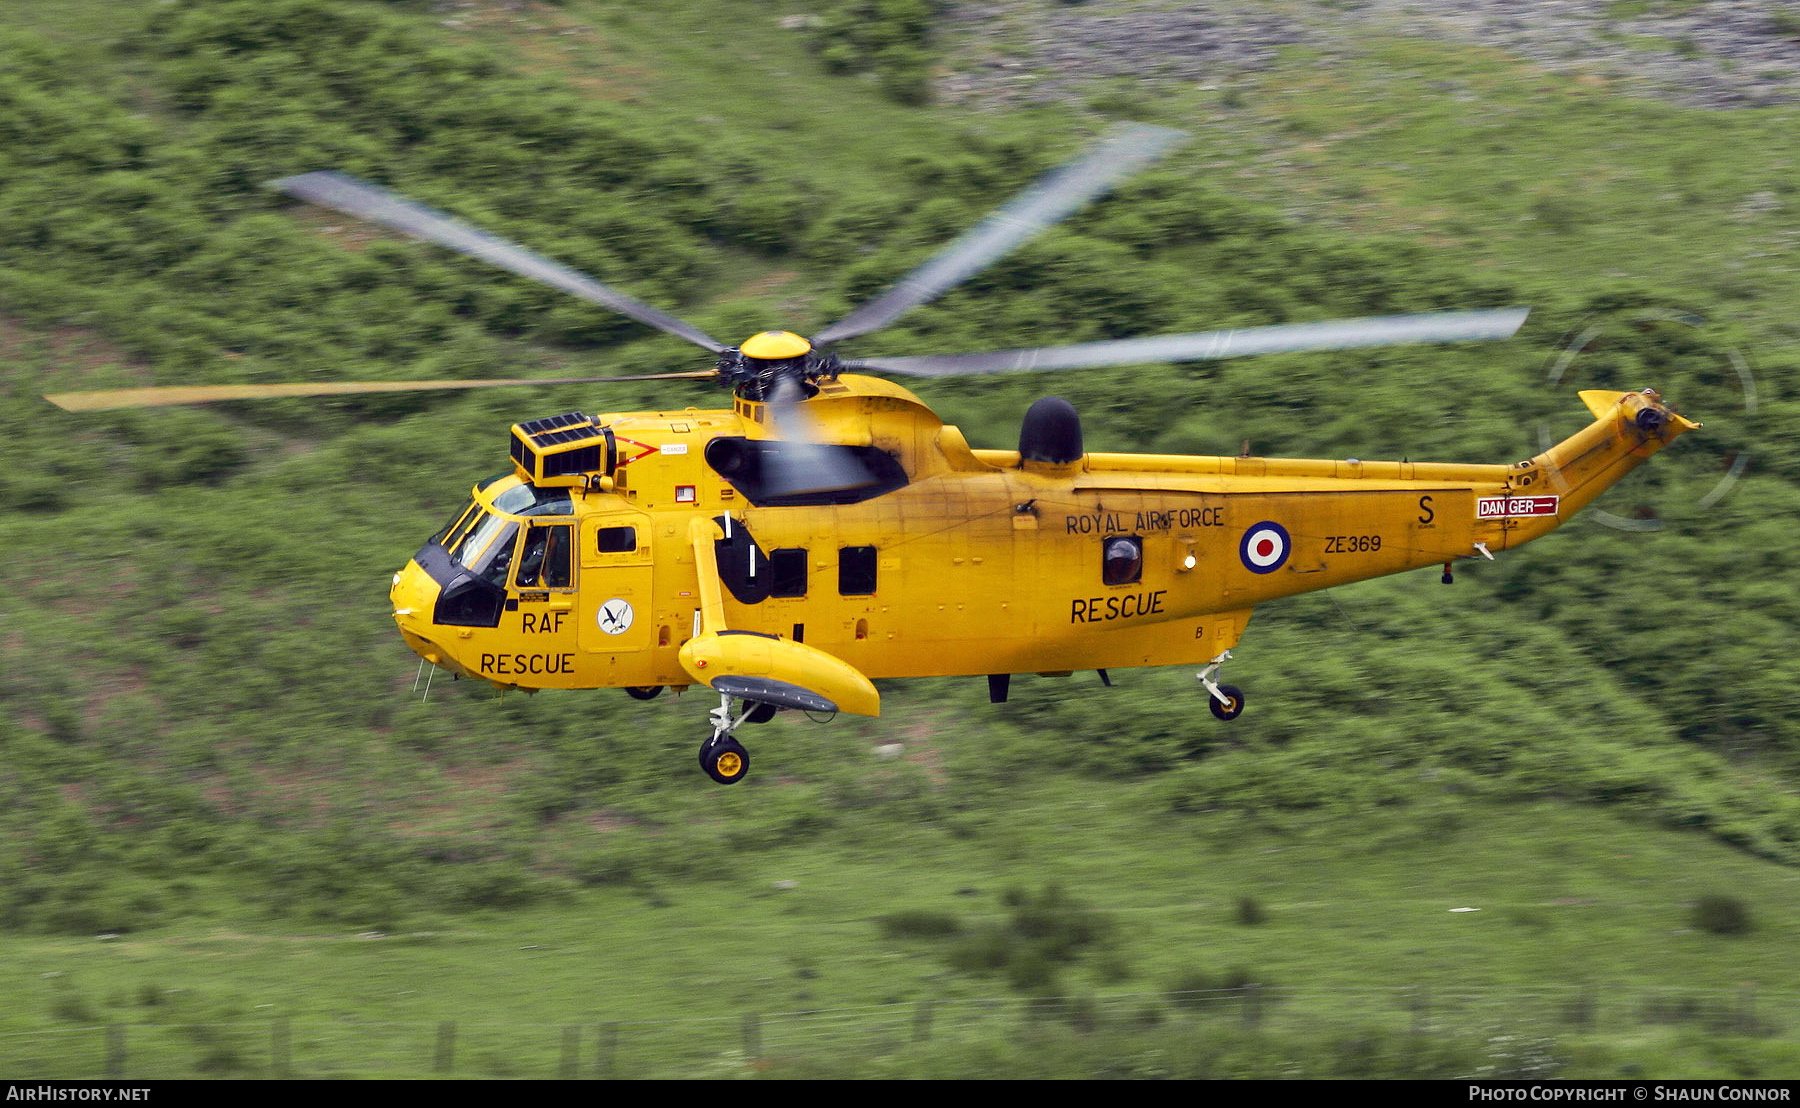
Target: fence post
x,y
1585,1016
570,1048
446,1047
278,1048
922,1022
605,1042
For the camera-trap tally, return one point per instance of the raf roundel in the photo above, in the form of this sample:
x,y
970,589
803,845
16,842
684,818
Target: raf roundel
x,y
1265,547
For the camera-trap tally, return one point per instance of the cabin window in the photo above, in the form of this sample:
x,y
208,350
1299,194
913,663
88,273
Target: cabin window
x,y
1123,559
544,560
856,570
618,540
789,568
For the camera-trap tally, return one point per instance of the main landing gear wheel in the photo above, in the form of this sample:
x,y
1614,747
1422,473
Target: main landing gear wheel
x,y
644,692
1229,708
1226,701
725,760
722,757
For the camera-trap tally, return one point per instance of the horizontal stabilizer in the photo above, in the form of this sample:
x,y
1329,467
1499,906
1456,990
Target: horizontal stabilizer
x,y
1601,401
1604,402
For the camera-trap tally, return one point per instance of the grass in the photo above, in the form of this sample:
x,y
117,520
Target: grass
x,y
1489,912
1513,141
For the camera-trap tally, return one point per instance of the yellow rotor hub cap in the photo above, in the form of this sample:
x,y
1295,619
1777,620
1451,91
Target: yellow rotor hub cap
x,y
775,345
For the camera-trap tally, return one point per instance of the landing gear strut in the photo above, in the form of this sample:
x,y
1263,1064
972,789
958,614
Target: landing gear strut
x,y
1226,701
722,757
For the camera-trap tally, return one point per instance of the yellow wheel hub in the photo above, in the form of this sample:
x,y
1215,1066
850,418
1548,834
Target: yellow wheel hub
x,y
730,764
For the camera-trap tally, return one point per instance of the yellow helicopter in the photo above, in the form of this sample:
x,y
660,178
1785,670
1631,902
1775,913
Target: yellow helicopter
x,y
828,529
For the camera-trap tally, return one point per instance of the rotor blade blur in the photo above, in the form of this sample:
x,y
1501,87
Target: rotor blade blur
x,y
363,200
164,396
1053,198
805,464
1396,330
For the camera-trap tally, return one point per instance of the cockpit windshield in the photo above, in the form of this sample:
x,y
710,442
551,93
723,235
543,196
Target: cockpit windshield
x,y
452,533
481,540
524,499
486,550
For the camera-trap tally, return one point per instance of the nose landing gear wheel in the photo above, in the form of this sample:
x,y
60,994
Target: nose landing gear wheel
x,y
1229,708
725,760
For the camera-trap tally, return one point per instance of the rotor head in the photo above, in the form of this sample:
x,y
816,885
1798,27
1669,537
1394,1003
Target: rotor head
x,y
768,358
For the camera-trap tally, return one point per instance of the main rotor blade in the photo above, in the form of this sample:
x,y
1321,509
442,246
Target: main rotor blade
x,y
1054,197
1393,330
157,397
359,198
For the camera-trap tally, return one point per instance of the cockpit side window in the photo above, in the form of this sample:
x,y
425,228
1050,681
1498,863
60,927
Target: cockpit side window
x,y
544,561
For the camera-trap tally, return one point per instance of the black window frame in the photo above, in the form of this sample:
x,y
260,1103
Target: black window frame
x,y
857,566
600,539
788,567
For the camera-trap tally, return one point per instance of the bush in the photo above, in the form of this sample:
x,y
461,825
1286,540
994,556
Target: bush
x,y
1193,991
1250,911
1046,930
888,38
919,924
1721,915
981,951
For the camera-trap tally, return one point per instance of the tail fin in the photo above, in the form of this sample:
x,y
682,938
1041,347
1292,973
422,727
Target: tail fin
x,y
1628,428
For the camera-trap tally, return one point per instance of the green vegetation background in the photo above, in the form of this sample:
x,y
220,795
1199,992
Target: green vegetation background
x,y
209,725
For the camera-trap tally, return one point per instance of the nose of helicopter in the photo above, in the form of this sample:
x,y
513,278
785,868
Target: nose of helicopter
x,y
413,595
